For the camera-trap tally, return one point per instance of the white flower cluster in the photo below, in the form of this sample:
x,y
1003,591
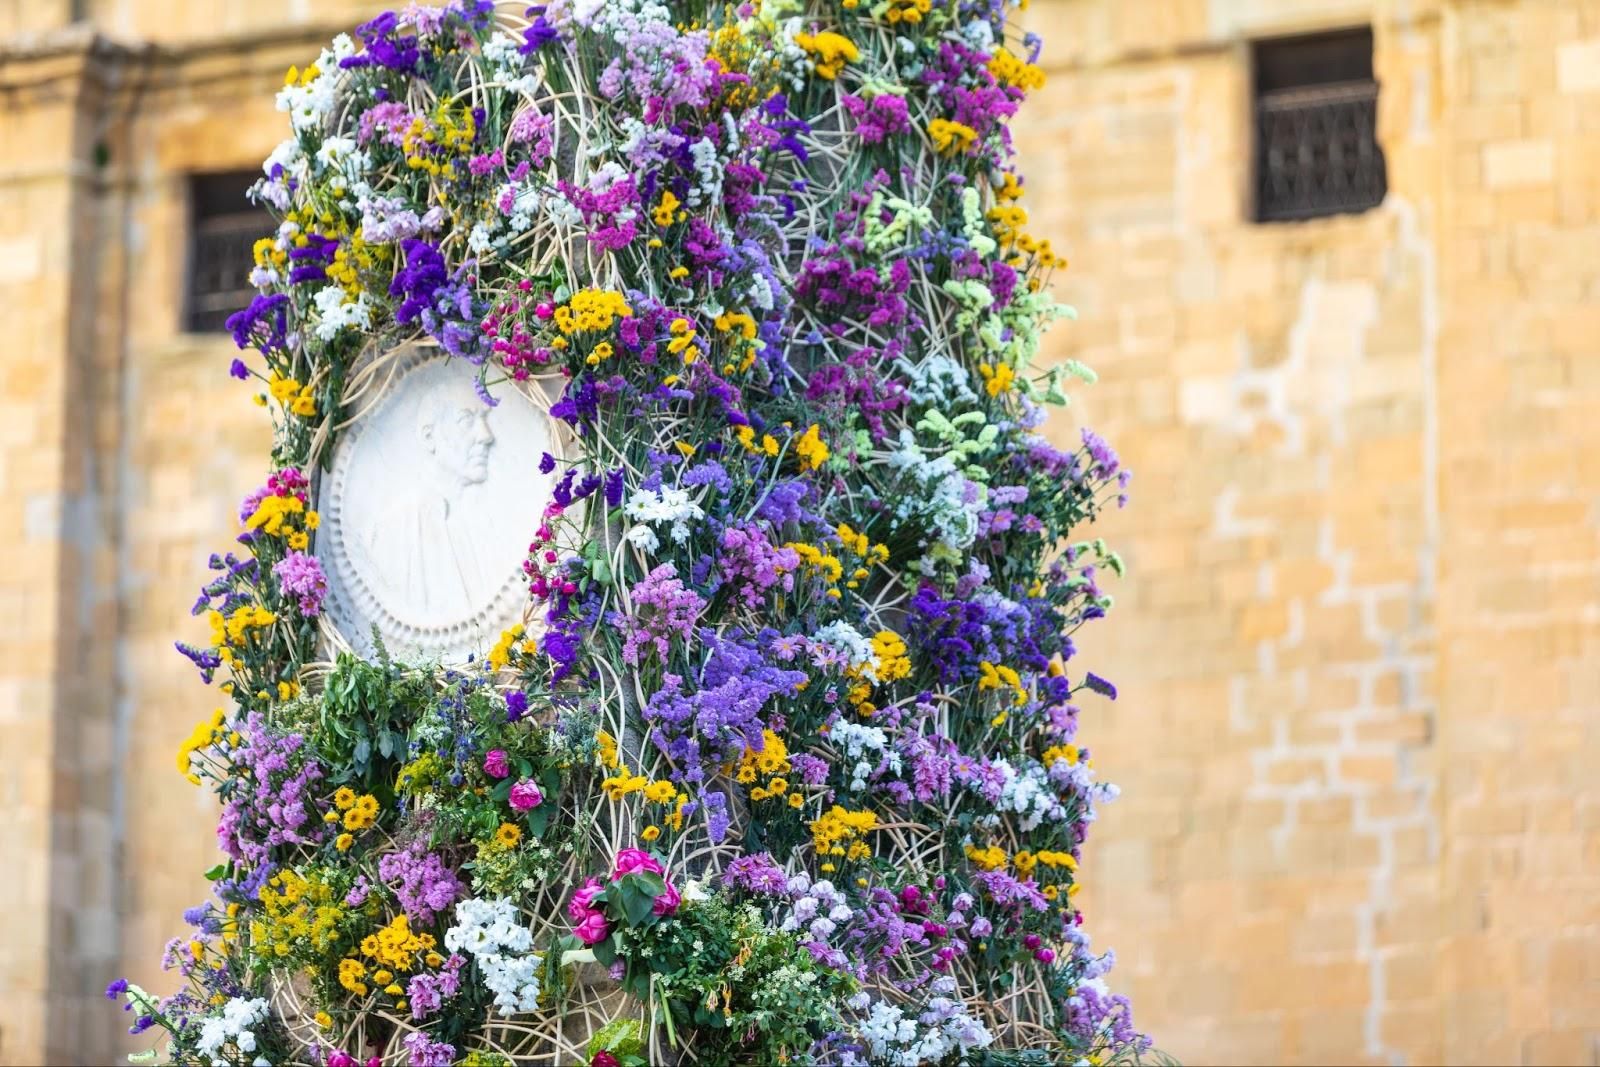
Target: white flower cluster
x,y
847,642
310,103
938,382
940,498
1028,794
335,311
649,509
863,746
818,908
234,1026
944,1027
493,933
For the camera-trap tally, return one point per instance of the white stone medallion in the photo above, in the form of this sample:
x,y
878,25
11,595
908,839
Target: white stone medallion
x,y
428,509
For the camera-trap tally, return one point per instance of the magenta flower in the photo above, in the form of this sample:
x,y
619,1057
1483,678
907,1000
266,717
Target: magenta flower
x,y
525,796
667,902
630,860
581,904
495,764
593,929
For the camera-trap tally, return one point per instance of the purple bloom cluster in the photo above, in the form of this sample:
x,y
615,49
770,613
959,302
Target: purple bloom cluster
x,y
664,609
278,807
420,881
300,578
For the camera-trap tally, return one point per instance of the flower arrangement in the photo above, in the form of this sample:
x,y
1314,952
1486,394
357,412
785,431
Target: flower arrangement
x,y
782,763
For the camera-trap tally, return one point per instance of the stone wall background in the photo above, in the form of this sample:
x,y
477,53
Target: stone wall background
x,y
1360,695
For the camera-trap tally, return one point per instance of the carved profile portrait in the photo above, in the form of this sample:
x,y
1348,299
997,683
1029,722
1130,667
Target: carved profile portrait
x,y
430,504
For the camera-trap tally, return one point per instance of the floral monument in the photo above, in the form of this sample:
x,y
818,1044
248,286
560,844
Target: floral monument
x,y
653,640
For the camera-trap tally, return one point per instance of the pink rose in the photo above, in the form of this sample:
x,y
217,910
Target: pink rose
x,y
525,796
605,1058
667,902
582,900
341,1058
495,764
630,860
593,929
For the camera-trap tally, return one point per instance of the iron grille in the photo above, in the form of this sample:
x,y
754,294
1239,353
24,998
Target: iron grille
x,y
224,227
1316,115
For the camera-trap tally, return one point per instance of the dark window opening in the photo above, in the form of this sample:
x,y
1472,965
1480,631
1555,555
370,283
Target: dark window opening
x,y
1316,126
223,229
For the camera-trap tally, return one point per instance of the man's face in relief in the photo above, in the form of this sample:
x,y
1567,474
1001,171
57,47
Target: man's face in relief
x,y
458,438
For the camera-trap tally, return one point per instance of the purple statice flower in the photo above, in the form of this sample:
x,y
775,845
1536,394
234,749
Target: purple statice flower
x,y
756,873
878,119
1097,684
516,705
1095,1015
385,46
782,503
1009,893
300,578
116,988
539,33
312,259
717,819
276,807
717,719
357,895
238,370
752,564
263,325
420,881
416,283
425,1053
664,608
428,992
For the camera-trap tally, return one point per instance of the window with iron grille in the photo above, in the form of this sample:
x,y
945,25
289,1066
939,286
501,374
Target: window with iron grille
x,y
1316,140
223,229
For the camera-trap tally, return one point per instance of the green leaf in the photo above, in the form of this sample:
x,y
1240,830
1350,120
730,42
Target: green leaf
x,y
650,883
216,872
636,904
539,819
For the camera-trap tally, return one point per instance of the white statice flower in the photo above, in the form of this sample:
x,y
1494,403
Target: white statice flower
x,y
938,382
979,34
939,497
493,934
669,507
943,1028
864,748
759,292
235,1025
311,100
335,312
708,168
1028,793
503,52
478,240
